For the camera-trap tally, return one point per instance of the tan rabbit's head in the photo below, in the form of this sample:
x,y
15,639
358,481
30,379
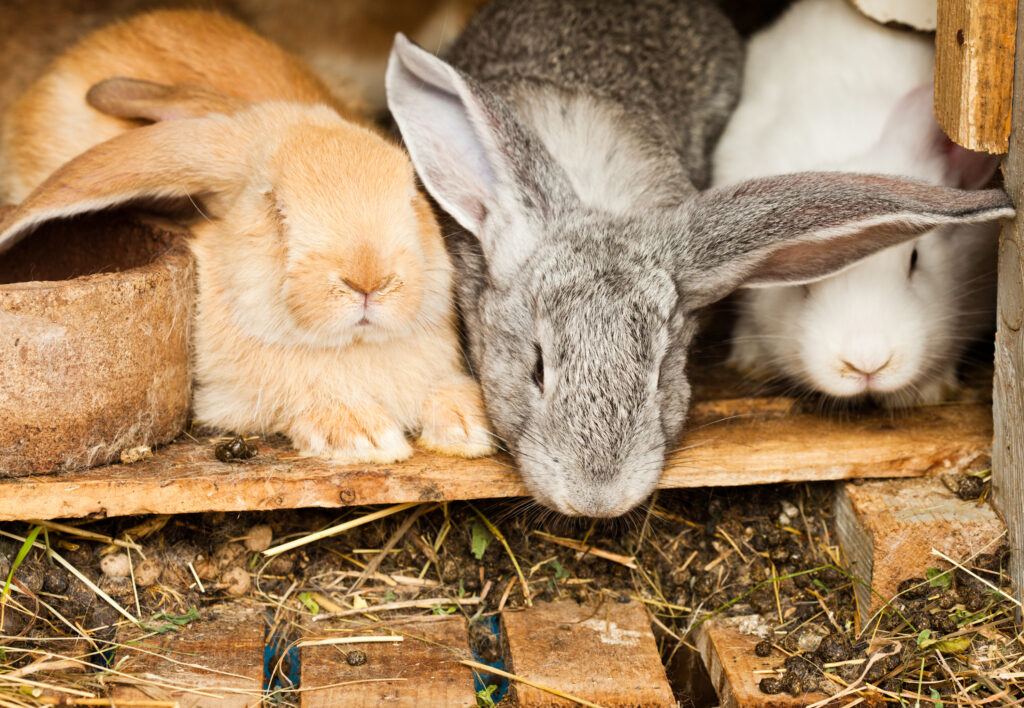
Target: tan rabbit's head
x,y
309,226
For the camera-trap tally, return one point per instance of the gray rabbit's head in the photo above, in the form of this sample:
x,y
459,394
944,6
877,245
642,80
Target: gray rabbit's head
x,y
579,320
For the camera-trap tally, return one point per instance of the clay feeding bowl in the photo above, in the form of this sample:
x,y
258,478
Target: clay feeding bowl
x,y
94,360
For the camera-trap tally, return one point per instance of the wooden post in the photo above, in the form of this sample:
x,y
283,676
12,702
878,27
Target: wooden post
x,y
888,528
420,672
215,661
1008,394
603,653
727,646
974,43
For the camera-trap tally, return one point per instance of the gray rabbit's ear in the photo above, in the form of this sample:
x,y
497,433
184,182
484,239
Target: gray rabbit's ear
x,y
799,228
471,152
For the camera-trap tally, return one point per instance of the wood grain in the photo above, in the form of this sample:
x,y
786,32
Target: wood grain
x,y
729,656
974,49
888,528
1008,395
419,672
603,653
741,442
216,660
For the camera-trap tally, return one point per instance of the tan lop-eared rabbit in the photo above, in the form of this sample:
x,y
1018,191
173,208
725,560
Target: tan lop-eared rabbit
x,y
324,289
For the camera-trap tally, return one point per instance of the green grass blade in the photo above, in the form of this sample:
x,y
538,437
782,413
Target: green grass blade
x,y
22,552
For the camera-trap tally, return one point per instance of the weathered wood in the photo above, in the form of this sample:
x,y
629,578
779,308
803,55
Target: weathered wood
x,y
729,656
603,653
419,672
974,45
1008,396
214,661
749,441
888,528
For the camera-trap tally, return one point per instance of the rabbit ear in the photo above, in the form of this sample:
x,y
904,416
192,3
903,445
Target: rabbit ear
x,y
799,228
471,152
147,100
912,127
161,162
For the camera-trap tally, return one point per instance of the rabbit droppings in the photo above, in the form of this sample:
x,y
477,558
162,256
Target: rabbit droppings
x,y
570,139
827,88
324,290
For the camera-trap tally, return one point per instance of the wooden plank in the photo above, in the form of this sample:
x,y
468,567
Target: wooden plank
x,y
748,441
420,672
1008,396
974,49
214,661
888,529
602,653
728,653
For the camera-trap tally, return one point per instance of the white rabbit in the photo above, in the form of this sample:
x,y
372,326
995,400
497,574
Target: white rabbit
x,y
827,88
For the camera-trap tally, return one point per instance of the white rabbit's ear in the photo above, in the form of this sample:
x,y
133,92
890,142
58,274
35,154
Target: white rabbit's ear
x,y
472,153
147,100
912,128
161,163
799,228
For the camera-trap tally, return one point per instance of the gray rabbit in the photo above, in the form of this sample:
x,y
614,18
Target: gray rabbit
x,y
570,138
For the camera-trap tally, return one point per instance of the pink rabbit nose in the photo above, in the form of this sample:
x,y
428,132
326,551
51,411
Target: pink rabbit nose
x,y
864,368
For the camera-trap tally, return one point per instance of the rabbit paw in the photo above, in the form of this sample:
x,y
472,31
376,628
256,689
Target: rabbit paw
x,y
350,436
748,357
454,422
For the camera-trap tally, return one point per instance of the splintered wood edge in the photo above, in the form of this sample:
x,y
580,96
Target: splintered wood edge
x,y
858,543
760,444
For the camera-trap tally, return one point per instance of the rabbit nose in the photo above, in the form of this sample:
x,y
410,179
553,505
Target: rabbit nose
x,y
366,289
864,368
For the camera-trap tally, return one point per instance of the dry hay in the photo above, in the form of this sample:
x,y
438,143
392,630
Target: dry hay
x,y
949,638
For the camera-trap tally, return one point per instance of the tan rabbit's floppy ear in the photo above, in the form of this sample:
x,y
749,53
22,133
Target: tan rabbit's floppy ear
x,y
182,159
147,100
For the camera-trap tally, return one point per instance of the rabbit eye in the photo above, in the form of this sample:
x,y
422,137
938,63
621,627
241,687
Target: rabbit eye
x,y
538,369
913,262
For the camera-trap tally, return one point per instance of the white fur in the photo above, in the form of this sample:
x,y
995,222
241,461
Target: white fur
x,y
818,87
605,160
826,88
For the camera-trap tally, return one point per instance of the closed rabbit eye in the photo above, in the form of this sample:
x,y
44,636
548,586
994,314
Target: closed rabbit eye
x,y
538,369
913,262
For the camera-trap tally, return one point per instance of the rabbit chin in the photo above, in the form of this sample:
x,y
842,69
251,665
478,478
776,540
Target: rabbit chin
x,y
585,492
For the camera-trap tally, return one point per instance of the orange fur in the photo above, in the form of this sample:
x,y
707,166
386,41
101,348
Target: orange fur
x,y
324,291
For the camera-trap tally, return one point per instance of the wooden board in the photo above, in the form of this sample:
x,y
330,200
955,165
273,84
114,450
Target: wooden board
x,y
888,529
419,672
603,653
729,657
1008,408
732,442
214,661
974,47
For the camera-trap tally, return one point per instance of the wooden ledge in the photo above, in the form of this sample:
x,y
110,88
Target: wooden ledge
x,y
731,442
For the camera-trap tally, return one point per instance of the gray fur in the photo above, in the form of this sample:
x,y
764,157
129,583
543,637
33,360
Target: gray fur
x,y
608,295
672,67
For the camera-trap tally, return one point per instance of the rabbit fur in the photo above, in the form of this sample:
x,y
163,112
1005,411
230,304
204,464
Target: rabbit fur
x,y
324,304
827,88
570,140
